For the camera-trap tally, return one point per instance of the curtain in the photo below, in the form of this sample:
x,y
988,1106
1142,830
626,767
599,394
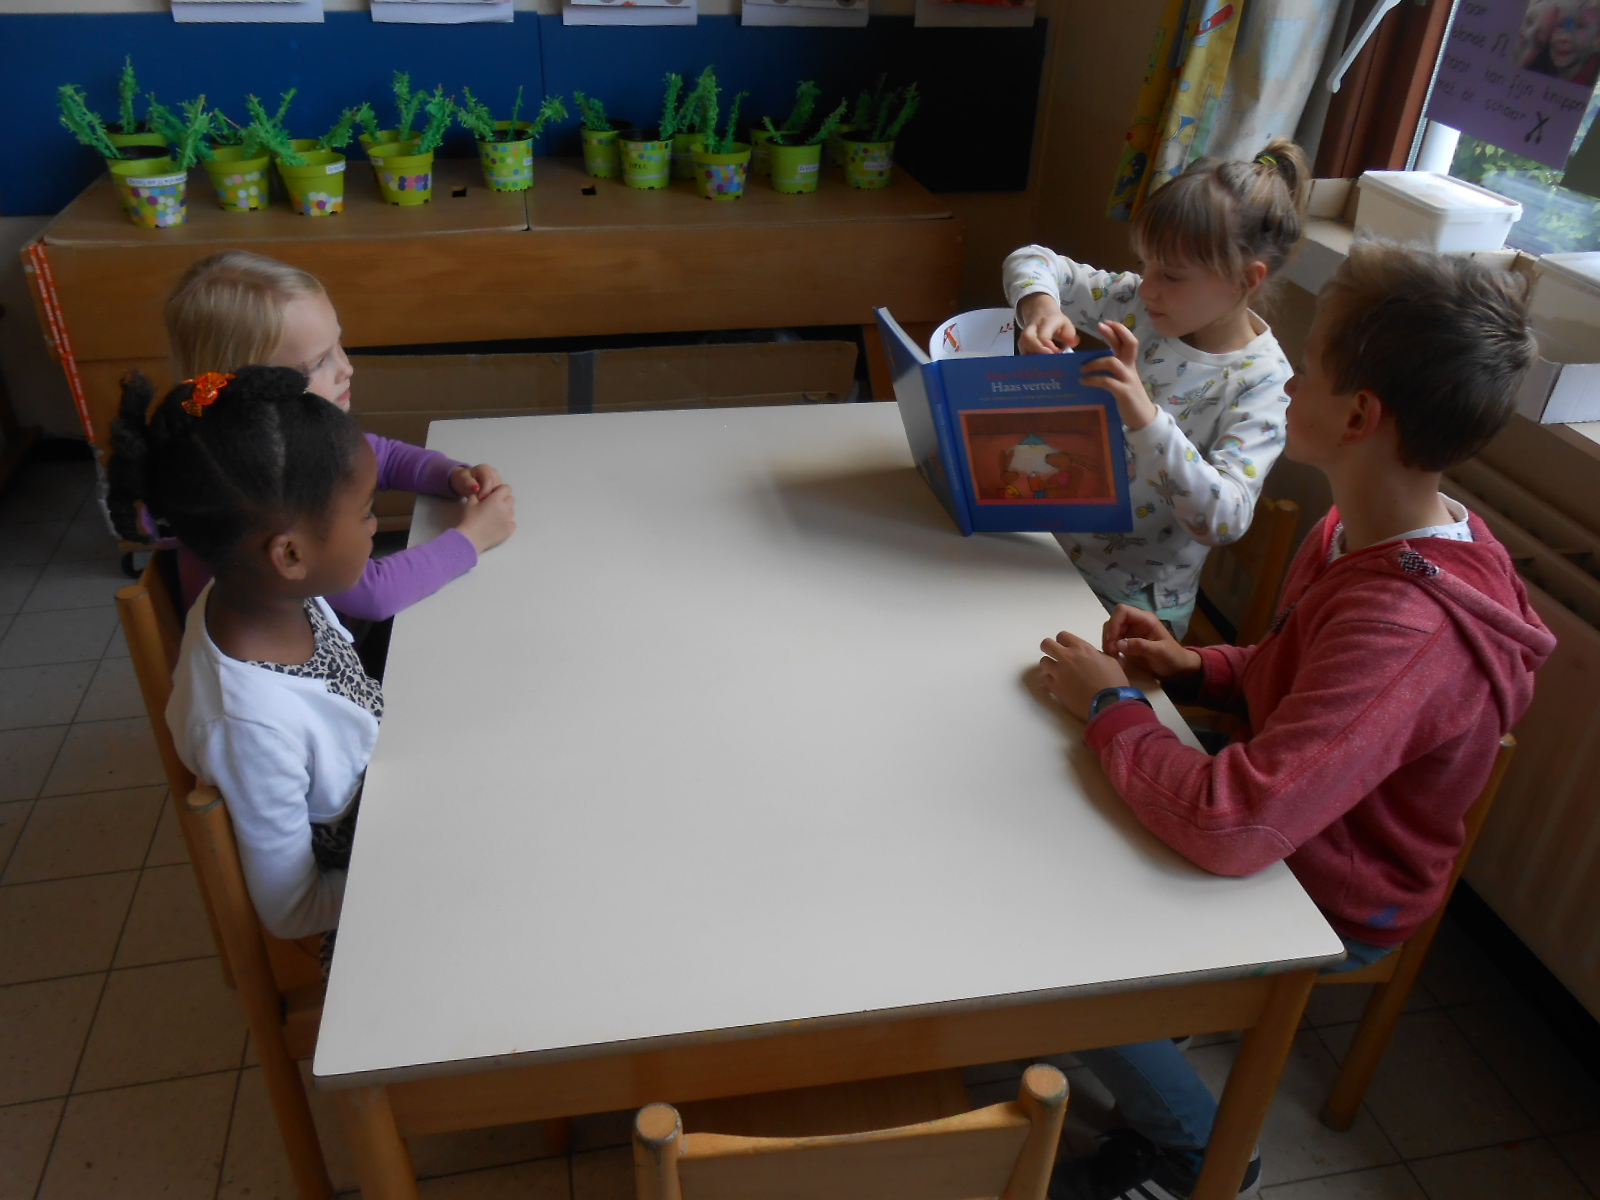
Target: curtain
x,y
1277,63
1178,102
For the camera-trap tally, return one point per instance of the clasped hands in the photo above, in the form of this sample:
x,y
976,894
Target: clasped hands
x,y
1073,670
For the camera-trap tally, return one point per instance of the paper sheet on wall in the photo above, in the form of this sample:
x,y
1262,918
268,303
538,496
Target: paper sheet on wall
x,y
848,14
1518,74
630,12
991,14
440,12
199,11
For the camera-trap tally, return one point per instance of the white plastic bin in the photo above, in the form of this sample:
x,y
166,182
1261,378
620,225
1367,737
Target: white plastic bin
x,y
1435,210
1565,305
981,333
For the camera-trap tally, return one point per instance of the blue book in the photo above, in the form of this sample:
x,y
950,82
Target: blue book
x,y
1012,443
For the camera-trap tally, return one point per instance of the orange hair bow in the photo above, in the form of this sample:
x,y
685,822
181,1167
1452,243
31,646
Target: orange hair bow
x,y
205,391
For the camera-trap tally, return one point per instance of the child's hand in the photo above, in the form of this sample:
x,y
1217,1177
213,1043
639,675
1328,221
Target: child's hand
x,y
1140,637
1073,671
475,481
490,519
1119,375
1045,328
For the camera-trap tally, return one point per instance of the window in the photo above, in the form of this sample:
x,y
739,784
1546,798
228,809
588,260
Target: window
x,y
1554,219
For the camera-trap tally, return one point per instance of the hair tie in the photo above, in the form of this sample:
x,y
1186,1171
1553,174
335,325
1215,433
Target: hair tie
x,y
1266,159
205,391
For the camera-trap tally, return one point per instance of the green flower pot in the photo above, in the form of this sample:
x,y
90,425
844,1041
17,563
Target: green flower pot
x,y
316,189
158,193
508,166
868,164
404,176
760,152
836,145
149,138
646,162
383,137
683,147
796,168
240,183
122,168
722,176
602,154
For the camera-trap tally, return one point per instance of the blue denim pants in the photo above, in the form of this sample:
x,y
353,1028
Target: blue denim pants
x,y
1161,1095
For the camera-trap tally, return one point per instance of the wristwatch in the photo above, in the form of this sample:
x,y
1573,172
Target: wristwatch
x,y
1106,697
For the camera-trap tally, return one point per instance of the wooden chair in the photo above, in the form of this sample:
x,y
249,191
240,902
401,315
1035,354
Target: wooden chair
x,y
1005,1150
1246,576
279,982
1396,972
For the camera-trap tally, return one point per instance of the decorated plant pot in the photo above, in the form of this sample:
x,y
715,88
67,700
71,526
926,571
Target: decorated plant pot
x,y
158,193
240,183
280,190
722,176
835,144
404,176
602,153
508,165
683,147
796,168
646,160
383,137
868,164
317,188
123,168
760,152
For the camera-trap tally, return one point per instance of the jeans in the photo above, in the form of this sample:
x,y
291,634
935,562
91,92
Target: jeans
x,y
1161,1095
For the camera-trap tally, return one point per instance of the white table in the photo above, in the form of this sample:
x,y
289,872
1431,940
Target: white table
x,y
723,775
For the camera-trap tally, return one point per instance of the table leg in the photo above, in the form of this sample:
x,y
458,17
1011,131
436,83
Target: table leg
x,y
382,1160
1251,1084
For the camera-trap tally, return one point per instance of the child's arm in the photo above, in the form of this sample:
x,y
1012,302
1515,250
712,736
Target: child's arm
x,y
1080,293
1213,488
399,580
264,782
1362,705
403,467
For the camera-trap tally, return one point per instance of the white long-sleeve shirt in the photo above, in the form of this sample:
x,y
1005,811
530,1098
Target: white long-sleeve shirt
x,y
1195,471
285,751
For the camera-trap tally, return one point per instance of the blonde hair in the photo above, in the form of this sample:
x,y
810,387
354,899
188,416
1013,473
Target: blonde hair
x,y
1222,216
227,311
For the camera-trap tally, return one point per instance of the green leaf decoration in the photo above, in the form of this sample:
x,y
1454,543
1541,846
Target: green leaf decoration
x,y
83,122
669,107
343,130
551,109
516,107
158,118
406,103
724,144
592,112
441,111
127,93
475,116
830,123
908,109
692,111
224,130
805,103
367,119
191,144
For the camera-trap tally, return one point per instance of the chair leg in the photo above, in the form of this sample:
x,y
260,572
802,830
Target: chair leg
x,y
1371,1039
292,1108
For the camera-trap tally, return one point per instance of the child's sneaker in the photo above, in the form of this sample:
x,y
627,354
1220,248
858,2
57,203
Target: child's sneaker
x,y
1129,1166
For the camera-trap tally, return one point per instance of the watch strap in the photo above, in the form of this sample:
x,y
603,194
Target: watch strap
x,y
1106,697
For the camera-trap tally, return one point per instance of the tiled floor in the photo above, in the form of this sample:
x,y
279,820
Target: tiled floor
x,y
124,1069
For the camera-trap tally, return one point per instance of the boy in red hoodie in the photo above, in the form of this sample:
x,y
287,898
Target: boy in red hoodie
x,y
1403,649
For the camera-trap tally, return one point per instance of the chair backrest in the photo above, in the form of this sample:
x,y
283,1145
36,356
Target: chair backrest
x,y
1244,577
1005,1150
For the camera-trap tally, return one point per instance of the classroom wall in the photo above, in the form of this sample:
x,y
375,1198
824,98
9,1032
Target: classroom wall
x,y
1094,61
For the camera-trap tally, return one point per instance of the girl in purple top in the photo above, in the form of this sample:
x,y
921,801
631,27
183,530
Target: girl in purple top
x,y
237,308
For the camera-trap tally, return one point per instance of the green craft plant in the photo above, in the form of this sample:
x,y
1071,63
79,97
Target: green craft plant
x,y
867,102
338,137
805,103
893,111
592,113
669,108
709,95
127,93
441,110
367,119
692,109
406,103
83,122
476,117
161,119
797,136
266,130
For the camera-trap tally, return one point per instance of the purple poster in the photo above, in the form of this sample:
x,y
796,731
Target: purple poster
x,y
1518,74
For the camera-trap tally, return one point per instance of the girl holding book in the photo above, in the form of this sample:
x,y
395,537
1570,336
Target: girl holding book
x,y
1197,375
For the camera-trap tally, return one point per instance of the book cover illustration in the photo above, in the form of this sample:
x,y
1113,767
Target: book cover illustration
x,y
1008,442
